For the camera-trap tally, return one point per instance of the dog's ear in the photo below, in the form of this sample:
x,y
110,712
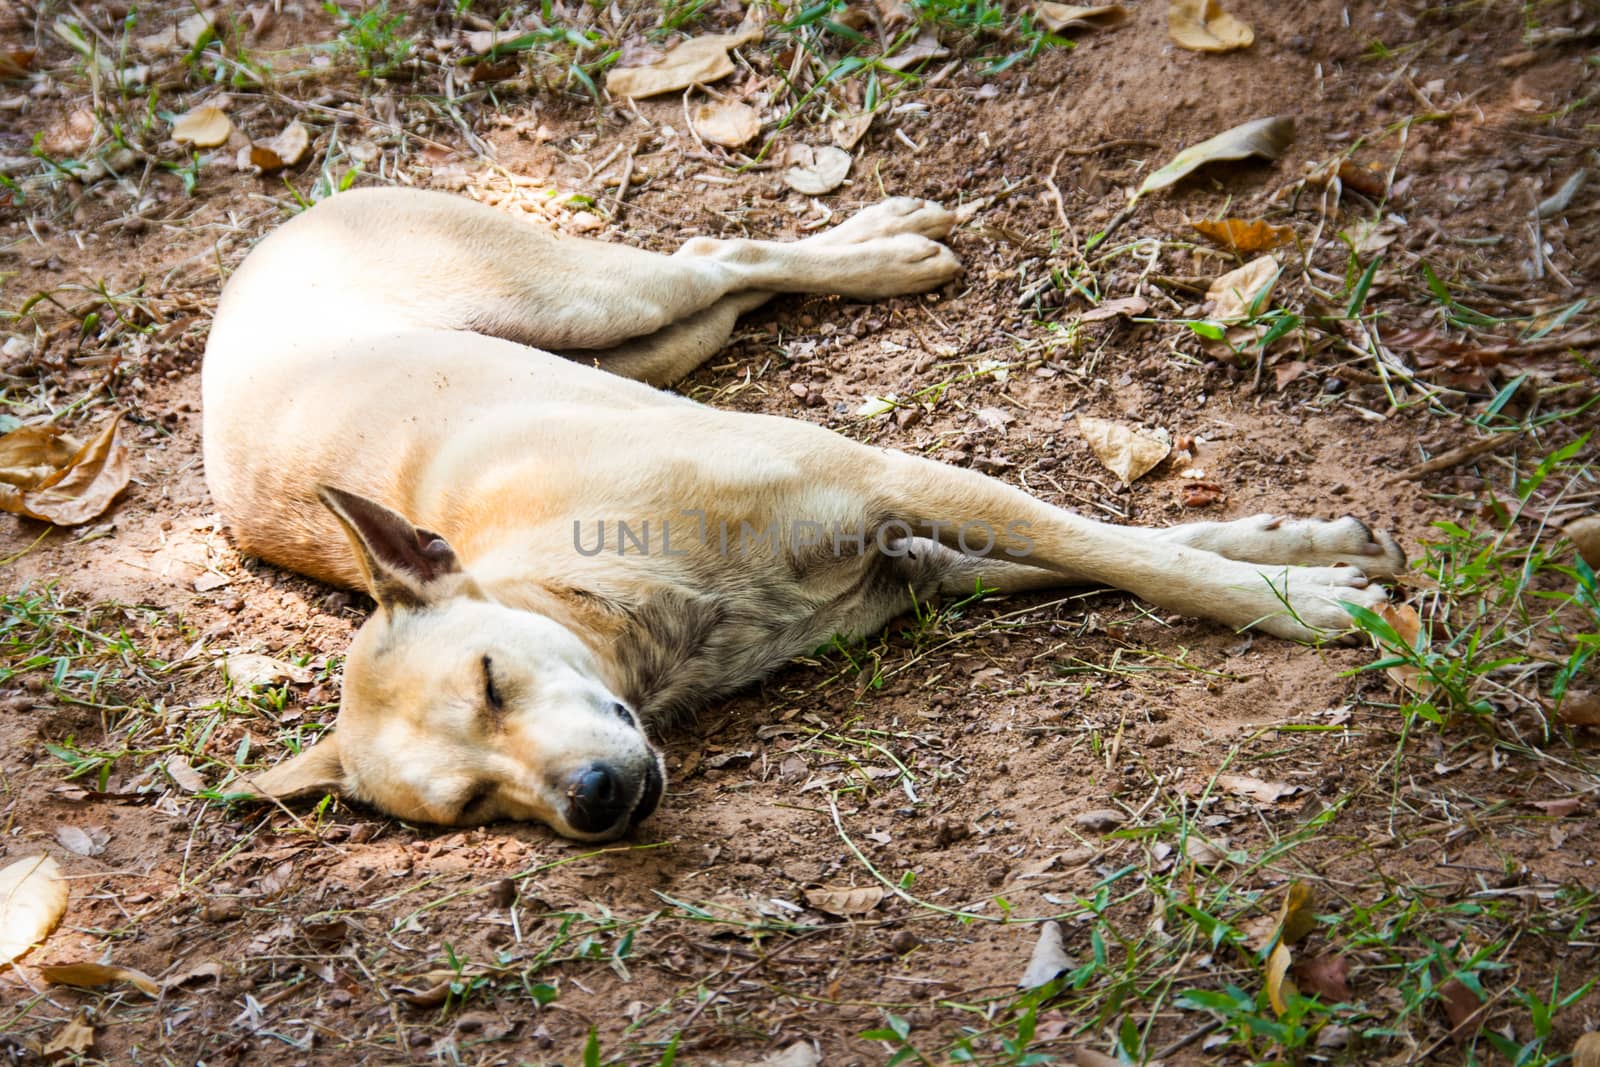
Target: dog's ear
x,y
401,562
316,771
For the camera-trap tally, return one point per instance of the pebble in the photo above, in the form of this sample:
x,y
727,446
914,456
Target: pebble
x,y
1100,820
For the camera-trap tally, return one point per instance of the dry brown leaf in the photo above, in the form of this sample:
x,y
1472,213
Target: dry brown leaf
x,y
16,62
89,975
1463,1007
1255,788
1058,17
183,773
90,842
845,901
73,1041
1279,987
1201,494
1585,536
1579,707
847,130
191,29
33,897
1586,1050
1295,917
1557,809
1129,452
1326,977
727,123
1110,309
1246,236
251,670
1268,138
1203,852
1408,624
48,475
895,13
693,62
1202,26
1244,292
925,46
71,134
203,127
1088,1057
1049,959
285,150
814,171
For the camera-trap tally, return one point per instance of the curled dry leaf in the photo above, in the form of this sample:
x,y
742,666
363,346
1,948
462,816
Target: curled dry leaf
x,y
847,130
693,62
1279,986
1267,138
1058,17
1049,959
1129,452
250,670
1255,788
89,975
1203,852
1579,707
1201,494
726,122
1326,977
1586,1050
1557,809
71,134
1110,309
72,1042
203,127
1244,292
814,171
183,773
1464,1008
33,897
16,62
285,150
85,842
1584,534
1202,26
1295,917
925,46
48,475
845,901
1406,623
1246,236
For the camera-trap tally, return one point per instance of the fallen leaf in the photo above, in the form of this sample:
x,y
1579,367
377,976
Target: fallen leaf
x,y
1255,788
89,975
814,171
90,842
1049,960
1058,17
1267,137
1201,494
1586,1050
1406,623
16,62
693,62
73,1041
847,130
1245,292
1202,26
251,670
1326,977
209,971
1110,309
1285,373
48,475
1295,917
33,897
925,46
193,28
874,406
1100,820
1579,707
203,127
895,13
1279,987
1246,236
1202,852
1129,452
160,43
1558,809
845,901
285,150
799,1054
1088,1057
71,134
1584,534
1463,1007
184,774
726,122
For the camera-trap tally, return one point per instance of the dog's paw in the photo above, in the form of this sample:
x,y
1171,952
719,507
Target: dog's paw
x,y
1309,600
893,266
890,218
1302,542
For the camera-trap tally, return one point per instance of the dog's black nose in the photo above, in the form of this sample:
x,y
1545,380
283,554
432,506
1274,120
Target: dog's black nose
x,y
596,799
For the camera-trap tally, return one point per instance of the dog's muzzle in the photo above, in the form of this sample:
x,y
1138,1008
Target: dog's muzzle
x,y
602,800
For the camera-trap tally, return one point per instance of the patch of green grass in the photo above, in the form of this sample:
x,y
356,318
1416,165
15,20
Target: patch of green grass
x,y
374,38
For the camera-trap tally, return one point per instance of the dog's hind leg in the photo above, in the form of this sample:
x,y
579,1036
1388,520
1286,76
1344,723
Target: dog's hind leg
x,y
976,514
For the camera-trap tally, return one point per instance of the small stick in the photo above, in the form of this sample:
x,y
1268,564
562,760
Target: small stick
x,y
1455,457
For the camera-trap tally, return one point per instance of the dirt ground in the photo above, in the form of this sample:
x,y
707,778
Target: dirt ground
x,y
972,773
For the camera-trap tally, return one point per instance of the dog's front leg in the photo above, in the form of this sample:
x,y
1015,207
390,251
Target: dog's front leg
x,y
979,515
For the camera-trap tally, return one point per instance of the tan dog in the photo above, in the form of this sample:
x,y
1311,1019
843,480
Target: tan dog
x,y
590,555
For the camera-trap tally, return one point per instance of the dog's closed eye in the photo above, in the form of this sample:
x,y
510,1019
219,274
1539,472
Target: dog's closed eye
x,y
491,695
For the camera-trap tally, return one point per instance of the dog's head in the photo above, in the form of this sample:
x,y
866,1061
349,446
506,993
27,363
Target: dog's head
x,y
460,710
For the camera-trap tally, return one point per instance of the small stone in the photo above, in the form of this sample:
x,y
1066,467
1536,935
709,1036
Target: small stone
x,y
904,941
503,893
335,603
221,910
1101,820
